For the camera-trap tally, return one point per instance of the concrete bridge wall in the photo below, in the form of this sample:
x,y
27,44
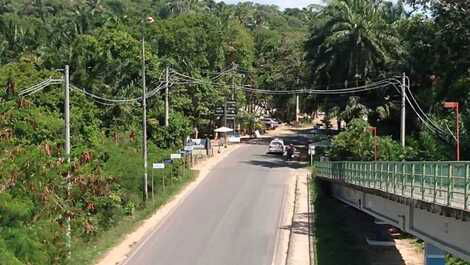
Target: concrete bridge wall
x,y
447,229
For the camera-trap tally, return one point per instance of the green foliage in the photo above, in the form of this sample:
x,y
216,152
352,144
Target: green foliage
x,y
336,237
358,144
101,41
450,260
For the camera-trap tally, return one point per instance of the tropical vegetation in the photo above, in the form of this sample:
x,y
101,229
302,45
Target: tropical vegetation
x,y
210,48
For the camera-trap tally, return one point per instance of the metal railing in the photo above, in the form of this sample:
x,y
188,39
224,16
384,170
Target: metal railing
x,y
443,183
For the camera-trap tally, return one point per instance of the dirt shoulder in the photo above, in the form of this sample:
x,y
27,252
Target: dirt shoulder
x,y
132,241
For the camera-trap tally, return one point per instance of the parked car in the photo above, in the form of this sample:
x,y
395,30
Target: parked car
x,y
233,137
270,123
276,146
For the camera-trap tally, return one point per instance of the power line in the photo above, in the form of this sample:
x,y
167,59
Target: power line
x,y
185,79
112,101
39,86
437,131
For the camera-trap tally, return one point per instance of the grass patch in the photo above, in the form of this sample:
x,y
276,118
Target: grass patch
x,y
89,252
335,236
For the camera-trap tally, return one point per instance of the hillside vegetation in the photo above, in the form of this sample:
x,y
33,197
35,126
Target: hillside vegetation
x,y
342,44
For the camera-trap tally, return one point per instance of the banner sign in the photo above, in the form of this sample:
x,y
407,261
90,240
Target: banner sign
x,y
175,156
159,166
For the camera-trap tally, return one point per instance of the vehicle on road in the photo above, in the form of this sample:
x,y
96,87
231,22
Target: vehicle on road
x,y
233,137
292,153
270,123
276,146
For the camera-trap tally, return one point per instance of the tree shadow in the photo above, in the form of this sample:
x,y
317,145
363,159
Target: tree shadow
x,y
276,164
301,227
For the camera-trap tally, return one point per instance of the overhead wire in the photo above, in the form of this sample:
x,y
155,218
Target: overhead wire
x,y
426,123
39,86
182,79
101,99
393,81
423,114
185,79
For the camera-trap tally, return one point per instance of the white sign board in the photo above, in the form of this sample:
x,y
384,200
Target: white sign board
x,y
311,149
158,166
188,148
175,156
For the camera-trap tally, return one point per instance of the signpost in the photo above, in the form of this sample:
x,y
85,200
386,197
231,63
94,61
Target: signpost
x,y
188,148
227,112
455,106
311,152
158,165
175,156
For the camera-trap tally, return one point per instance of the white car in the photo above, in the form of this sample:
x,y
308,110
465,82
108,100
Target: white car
x,y
270,123
276,147
233,137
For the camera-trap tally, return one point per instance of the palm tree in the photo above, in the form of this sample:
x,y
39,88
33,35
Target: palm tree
x,y
178,7
5,6
351,39
353,110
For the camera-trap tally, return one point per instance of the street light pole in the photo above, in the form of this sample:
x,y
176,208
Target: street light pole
x,y
167,104
374,131
144,119
403,111
455,106
68,233
457,128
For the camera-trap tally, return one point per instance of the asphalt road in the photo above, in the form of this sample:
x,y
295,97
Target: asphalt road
x,y
231,218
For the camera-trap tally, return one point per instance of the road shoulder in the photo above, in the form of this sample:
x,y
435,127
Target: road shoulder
x,y
299,248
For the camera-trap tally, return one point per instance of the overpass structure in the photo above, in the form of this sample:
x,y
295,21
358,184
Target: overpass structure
x,y
430,200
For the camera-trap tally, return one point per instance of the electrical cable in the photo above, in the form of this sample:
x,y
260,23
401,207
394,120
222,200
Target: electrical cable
x,y
101,99
425,123
426,117
371,86
39,86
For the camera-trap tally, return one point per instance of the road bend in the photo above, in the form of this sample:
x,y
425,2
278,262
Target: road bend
x,y
231,218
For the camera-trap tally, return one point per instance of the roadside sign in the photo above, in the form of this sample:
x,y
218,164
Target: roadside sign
x,y
158,165
175,156
188,148
219,110
451,105
311,149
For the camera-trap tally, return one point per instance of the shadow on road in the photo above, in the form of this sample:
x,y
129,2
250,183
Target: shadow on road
x,y
276,164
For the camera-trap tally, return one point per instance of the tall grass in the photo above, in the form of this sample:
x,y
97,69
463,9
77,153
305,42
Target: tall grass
x,y
336,242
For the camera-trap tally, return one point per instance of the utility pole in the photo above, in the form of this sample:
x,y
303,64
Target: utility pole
x,y
167,104
455,106
144,120
297,108
68,233
225,113
233,100
403,111
457,134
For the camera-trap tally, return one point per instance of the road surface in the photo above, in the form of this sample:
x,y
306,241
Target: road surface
x,y
231,218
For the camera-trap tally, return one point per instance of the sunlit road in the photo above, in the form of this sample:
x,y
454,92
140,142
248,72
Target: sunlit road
x,y
231,218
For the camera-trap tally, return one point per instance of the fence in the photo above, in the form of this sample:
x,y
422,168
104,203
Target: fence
x,y
443,183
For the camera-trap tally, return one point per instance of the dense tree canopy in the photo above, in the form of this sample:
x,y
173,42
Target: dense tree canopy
x,y
342,44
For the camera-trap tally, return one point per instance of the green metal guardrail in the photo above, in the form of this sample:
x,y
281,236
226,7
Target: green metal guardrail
x,y
444,183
